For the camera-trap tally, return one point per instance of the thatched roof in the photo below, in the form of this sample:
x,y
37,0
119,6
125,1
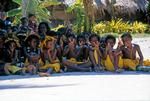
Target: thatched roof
x,y
102,8
120,6
130,6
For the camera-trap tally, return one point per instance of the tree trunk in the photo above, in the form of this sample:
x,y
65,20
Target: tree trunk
x,y
24,7
89,12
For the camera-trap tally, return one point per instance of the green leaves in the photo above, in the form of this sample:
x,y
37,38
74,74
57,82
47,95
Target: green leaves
x,y
47,3
14,12
37,7
119,26
19,2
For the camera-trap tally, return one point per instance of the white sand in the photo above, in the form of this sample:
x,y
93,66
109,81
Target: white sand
x,y
145,46
77,88
128,86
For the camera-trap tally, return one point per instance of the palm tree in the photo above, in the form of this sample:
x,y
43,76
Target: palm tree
x,y
89,14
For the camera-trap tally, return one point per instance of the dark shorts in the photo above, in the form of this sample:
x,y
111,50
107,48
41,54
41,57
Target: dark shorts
x,y
18,72
2,71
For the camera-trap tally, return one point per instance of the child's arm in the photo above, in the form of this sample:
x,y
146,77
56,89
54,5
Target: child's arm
x,y
140,54
50,56
79,51
54,56
66,51
97,44
106,51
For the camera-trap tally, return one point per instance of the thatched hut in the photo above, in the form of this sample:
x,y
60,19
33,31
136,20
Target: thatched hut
x,y
103,9
119,8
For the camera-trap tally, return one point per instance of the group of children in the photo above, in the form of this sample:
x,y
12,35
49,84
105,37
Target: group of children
x,y
42,51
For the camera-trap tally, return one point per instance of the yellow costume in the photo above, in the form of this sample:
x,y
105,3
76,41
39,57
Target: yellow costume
x,y
13,69
96,56
146,62
131,64
73,60
109,65
55,66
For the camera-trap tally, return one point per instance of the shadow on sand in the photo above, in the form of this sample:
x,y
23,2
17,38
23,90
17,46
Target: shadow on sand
x,y
13,77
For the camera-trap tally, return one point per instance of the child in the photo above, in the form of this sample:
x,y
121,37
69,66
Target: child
x,y
24,28
95,52
11,58
83,48
49,58
32,23
32,52
71,54
2,47
112,57
43,29
129,51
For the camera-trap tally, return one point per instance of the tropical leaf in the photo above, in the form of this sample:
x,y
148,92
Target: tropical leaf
x,y
14,12
47,3
19,2
33,6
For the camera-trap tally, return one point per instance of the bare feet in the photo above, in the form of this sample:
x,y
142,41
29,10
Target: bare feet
x,y
44,74
119,70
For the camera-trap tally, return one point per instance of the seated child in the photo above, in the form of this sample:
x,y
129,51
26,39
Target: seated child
x,y
32,52
130,51
11,58
43,29
71,54
24,28
112,57
49,58
95,54
83,49
2,47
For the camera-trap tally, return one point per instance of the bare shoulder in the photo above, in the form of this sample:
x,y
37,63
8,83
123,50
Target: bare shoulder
x,y
136,46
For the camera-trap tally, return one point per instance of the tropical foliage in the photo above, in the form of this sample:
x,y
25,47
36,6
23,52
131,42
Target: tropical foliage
x,y
84,12
78,9
37,7
119,26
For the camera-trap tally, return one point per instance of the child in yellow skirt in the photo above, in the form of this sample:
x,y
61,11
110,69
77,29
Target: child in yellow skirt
x,y
112,57
130,51
71,55
32,52
11,58
95,53
49,60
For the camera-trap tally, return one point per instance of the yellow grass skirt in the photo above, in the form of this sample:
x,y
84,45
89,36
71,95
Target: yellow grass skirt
x,y
73,60
55,66
109,65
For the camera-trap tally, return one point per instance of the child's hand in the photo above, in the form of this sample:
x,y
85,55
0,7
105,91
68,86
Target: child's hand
x,y
71,44
34,58
108,46
96,44
81,44
120,43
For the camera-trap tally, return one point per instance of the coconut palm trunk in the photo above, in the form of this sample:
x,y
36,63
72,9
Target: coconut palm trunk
x,y
89,14
24,7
